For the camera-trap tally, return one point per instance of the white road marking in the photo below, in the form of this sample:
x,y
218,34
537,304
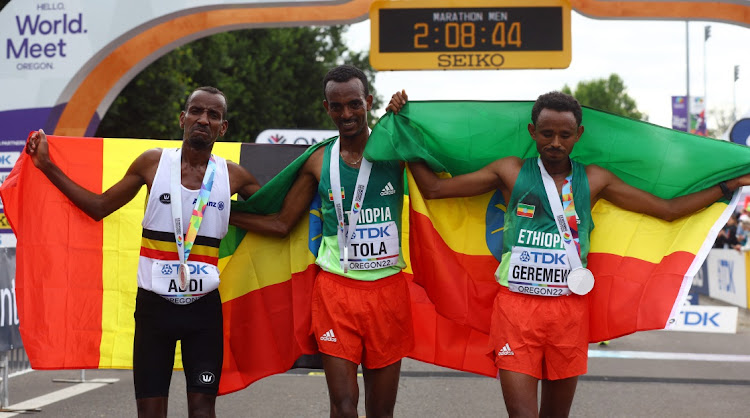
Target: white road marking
x,y
57,396
653,355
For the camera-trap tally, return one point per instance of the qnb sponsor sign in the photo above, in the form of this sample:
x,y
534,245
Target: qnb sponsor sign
x,y
699,318
294,136
39,38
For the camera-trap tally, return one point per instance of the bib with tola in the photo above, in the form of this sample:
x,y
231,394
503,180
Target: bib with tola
x,y
159,261
534,260
375,249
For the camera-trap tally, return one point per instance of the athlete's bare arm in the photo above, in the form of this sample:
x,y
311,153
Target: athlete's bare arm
x,y
498,175
295,204
606,185
97,206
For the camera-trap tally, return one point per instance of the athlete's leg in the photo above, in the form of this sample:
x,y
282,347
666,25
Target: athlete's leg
x,y
155,407
343,391
381,387
201,405
519,393
202,354
557,397
153,354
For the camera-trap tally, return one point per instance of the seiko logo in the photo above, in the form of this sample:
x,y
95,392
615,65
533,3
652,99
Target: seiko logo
x,y
164,198
207,378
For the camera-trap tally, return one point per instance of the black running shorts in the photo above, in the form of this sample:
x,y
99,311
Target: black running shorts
x,y
159,324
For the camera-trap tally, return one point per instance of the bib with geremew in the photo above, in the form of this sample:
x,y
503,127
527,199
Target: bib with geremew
x,y
534,259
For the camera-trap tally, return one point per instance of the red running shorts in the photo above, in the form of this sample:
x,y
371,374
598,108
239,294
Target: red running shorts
x,y
540,336
361,321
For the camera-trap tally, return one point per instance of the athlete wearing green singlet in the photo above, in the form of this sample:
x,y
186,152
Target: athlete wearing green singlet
x,y
376,249
536,337
360,304
530,227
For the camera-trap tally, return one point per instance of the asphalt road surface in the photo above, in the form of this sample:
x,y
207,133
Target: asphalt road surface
x,y
648,374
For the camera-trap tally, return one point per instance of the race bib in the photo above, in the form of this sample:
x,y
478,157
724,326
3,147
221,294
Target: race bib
x,y
374,246
539,271
165,281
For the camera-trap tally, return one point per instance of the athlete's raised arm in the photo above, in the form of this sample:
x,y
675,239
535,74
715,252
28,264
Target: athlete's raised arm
x,y
606,185
97,206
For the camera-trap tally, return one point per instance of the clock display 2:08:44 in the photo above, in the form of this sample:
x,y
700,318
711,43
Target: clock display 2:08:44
x,y
464,35
445,30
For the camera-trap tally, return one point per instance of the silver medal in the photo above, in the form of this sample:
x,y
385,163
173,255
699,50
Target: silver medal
x,y
581,281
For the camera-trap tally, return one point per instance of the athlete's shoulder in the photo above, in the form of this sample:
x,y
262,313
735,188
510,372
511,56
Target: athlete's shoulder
x,y
593,170
313,166
148,160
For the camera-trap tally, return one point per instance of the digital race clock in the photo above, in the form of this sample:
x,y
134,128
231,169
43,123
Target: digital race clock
x,y
469,34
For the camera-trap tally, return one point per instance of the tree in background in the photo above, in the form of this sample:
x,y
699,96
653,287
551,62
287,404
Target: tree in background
x,y
272,79
723,120
606,94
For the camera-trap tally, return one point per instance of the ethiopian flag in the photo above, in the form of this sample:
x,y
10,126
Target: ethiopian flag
x,y
643,266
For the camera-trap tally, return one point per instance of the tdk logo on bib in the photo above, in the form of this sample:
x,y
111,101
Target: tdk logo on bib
x,y
169,269
544,258
373,232
166,269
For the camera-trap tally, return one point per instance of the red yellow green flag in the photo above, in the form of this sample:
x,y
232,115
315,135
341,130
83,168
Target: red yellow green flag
x,y
643,266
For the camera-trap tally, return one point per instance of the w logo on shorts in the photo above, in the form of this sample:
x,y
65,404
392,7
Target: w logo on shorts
x,y
328,336
206,378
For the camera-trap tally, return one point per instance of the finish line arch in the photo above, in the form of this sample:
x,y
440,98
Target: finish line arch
x,y
61,72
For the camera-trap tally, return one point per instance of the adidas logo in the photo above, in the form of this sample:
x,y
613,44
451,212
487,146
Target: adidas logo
x,y
506,351
328,336
388,190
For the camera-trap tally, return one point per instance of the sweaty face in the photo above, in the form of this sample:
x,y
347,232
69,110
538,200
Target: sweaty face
x,y
555,133
203,122
347,106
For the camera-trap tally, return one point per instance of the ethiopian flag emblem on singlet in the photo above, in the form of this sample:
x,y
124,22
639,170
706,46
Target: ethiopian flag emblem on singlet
x,y
525,211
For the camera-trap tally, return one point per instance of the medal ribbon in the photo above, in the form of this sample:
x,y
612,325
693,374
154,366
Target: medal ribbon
x,y
562,224
185,245
363,178
569,209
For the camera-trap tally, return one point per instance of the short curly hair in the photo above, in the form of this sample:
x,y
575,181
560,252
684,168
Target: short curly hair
x,y
344,73
558,101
